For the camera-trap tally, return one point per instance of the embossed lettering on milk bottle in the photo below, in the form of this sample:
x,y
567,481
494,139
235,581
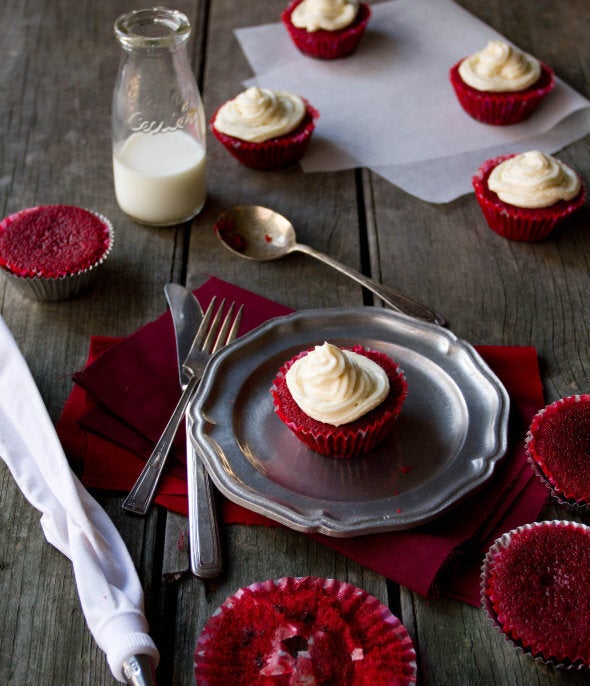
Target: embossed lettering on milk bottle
x,y
158,122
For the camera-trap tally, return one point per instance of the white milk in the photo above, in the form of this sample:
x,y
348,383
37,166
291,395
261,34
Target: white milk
x,y
160,178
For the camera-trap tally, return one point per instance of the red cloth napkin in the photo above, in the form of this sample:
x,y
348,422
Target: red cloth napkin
x,y
122,398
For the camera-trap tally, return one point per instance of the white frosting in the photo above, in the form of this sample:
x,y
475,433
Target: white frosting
x,y
329,15
336,386
259,114
500,68
533,179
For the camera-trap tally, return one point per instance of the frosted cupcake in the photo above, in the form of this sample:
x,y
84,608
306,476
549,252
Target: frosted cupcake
x,y
500,84
524,197
53,252
535,589
265,129
304,630
558,446
326,29
339,402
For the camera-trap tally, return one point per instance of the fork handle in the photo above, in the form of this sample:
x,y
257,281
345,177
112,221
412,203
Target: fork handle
x,y
204,540
141,495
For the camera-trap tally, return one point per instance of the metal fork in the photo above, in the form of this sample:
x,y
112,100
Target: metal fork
x,y
209,339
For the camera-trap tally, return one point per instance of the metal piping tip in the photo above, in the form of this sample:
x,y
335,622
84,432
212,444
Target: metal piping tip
x,y
139,671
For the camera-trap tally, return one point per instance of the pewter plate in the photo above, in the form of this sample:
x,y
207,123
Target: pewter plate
x,y
447,441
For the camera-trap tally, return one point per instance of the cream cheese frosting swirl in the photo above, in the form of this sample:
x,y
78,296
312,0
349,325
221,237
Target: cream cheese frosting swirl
x,y
329,15
500,68
533,180
259,114
336,386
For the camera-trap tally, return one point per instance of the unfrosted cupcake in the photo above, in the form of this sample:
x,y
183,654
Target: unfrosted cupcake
x,y
500,84
53,252
524,197
339,402
558,446
326,29
265,129
535,589
304,630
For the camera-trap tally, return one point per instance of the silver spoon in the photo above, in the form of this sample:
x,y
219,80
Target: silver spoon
x,y
259,233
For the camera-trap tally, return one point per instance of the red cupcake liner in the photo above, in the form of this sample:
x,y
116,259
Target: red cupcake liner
x,y
274,153
282,631
502,108
48,286
518,223
571,488
328,45
507,623
348,440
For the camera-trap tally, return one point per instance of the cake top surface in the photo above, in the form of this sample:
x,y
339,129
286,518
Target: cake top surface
x,y
53,241
559,442
536,580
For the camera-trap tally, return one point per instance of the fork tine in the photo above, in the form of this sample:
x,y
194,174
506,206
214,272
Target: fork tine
x,y
213,329
204,325
229,330
235,326
221,336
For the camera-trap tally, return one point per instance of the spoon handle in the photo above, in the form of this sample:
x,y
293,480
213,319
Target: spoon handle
x,y
398,301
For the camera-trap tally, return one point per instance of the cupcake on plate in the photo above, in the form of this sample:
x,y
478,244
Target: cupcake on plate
x,y
53,252
524,197
304,630
265,129
535,590
326,29
558,447
500,84
339,402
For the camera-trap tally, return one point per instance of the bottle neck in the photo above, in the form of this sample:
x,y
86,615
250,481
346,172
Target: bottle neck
x,y
152,30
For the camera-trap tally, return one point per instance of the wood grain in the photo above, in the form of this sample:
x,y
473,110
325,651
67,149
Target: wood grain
x,y
57,71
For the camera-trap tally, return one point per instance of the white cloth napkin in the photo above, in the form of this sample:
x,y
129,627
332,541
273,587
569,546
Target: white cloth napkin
x,y
109,589
390,106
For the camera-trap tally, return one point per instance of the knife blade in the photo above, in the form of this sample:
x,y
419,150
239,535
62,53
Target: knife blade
x,y
186,317
204,540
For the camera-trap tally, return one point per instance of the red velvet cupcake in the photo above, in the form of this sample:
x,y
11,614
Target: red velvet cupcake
x,y
328,44
522,223
265,129
53,252
334,438
558,446
491,97
535,590
303,631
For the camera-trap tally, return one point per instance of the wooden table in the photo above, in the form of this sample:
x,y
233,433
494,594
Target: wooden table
x,y
58,66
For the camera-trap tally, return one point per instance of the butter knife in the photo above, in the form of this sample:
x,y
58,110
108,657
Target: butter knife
x,y
204,541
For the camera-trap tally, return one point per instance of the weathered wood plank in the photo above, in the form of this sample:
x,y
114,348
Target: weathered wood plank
x,y
57,70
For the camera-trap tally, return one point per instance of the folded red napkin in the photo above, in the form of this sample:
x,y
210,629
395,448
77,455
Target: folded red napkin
x,y
122,398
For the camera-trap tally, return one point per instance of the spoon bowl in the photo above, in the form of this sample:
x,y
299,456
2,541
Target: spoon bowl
x,y
256,233
261,234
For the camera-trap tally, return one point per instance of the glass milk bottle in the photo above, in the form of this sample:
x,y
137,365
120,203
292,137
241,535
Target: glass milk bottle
x,y
158,122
